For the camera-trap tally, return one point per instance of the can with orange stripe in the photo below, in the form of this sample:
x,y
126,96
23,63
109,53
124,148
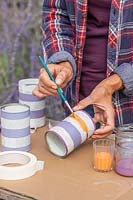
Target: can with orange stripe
x,y
70,133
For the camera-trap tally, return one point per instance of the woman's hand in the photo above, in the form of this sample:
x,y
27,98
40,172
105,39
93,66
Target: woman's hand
x,y
62,73
101,98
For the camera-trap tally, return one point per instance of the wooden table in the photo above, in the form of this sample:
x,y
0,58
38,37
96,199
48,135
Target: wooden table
x,y
72,178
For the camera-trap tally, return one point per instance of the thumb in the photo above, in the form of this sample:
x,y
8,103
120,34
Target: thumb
x,y
83,103
59,80
61,77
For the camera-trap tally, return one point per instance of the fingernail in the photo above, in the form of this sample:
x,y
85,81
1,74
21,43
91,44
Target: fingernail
x,y
42,96
96,132
54,86
76,108
58,81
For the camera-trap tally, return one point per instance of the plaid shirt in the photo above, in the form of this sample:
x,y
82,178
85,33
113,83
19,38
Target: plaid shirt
x,y
64,33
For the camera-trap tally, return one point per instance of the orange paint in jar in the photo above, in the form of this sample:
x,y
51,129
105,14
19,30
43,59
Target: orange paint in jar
x,y
103,154
103,161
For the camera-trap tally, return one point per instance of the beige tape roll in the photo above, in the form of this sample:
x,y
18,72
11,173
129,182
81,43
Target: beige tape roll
x,y
29,165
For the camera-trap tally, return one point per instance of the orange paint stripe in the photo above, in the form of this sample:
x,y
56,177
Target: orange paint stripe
x,y
80,121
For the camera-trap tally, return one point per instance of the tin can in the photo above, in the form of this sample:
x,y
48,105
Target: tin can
x,y
37,105
70,133
15,127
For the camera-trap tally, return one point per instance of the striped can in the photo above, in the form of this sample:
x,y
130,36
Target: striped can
x,y
15,127
70,133
37,105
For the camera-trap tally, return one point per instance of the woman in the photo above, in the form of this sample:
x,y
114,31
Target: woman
x,y
88,47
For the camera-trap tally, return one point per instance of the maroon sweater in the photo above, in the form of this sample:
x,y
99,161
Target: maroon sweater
x,y
95,50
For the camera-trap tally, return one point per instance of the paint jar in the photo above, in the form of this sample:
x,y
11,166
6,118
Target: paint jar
x,y
37,105
70,133
103,157
124,150
15,127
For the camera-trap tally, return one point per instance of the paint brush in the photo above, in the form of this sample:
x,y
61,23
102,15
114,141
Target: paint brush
x,y
59,90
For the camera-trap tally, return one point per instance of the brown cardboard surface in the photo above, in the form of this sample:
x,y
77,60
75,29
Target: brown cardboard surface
x,y
127,196
70,178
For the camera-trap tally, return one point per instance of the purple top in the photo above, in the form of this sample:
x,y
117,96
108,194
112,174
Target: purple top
x,y
95,50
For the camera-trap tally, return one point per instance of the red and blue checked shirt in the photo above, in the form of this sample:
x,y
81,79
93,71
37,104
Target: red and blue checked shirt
x,y
64,33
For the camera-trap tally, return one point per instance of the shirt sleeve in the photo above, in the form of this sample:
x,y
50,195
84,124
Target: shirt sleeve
x,y
63,56
125,71
58,38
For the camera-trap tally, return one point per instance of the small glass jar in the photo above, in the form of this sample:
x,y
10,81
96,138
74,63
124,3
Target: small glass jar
x,y
124,150
103,150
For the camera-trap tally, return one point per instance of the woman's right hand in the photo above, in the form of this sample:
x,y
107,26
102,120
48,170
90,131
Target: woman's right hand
x,y
62,74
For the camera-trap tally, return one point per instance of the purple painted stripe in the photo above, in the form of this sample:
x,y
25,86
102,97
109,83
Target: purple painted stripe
x,y
37,113
26,148
13,133
29,97
72,131
15,116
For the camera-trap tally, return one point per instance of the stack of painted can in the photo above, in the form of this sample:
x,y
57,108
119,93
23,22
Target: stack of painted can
x,y
37,105
15,127
17,119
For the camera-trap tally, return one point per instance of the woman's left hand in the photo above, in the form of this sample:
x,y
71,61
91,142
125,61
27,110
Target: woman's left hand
x,y
101,99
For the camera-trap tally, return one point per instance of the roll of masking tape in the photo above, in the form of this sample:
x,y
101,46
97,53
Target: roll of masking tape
x,y
70,133
28,165
37,105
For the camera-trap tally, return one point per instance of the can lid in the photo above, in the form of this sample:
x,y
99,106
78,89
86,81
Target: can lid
x,y
14,108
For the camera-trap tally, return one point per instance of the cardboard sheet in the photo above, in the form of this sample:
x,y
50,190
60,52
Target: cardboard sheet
x,y
70,178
